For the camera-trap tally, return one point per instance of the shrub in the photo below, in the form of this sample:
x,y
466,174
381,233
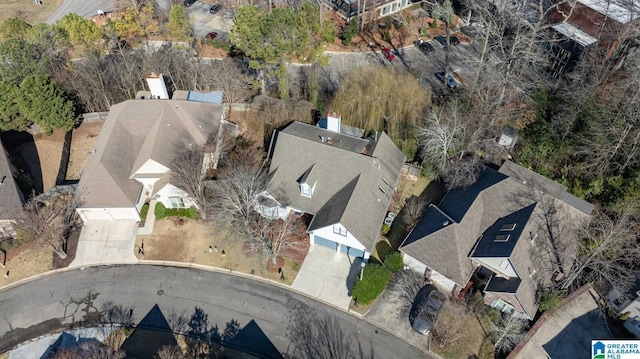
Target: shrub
x,y
393,262
550,300
219,44
375,279
385,228
192,212
160,211
349,33
434,24
144,211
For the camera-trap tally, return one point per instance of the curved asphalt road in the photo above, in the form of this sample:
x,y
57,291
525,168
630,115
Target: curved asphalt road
x,y
289,320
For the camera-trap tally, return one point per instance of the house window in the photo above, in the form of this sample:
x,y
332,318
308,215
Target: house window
x,y
337,229
502,306
306,190
177,202
403,3
385,10
393,7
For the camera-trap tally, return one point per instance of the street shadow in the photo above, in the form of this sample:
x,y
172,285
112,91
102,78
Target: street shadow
x,y
24,156
66,341
315,335
150,335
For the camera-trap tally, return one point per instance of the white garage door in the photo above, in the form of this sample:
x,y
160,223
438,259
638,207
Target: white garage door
x,y
96,214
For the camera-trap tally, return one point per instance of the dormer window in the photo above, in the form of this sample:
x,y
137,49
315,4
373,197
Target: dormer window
x,y
306,190
502,238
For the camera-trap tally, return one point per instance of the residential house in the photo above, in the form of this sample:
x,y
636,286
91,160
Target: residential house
x,y
608,25
345,182
11,197
131,161
513,227
371,9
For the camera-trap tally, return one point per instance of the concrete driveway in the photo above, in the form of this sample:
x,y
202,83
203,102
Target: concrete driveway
x,y
106,242
328,276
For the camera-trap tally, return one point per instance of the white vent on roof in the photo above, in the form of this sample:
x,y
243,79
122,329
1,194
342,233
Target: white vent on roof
x,y
445,223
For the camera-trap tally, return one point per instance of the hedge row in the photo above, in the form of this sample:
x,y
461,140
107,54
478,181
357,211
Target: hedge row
x,y
161,211
376,277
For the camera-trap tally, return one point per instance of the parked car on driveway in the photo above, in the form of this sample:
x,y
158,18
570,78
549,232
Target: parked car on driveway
x,y
388,54
425,309
424,46
212,35
188,3
449,80
215,8
454,40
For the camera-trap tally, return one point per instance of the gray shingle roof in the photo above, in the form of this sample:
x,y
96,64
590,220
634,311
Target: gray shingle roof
x,y
134,132
10,195
349,181
482,210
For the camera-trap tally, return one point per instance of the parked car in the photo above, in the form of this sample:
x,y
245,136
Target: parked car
x,y
188,3
388,54
426,306
215,8
424,46
449,80
212,35
441,39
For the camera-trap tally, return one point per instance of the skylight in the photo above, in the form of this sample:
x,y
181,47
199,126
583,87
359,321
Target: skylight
x,y
508,227
502,238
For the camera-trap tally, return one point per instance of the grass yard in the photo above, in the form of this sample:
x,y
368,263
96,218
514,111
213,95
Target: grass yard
x,y
26,261
190,243
27,10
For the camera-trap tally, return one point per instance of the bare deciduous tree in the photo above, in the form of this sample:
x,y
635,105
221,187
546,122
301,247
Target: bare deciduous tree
x,y
241,179
450,327
413,210
508,333
274,237
608,253
462,172
50,223
441,136
170,352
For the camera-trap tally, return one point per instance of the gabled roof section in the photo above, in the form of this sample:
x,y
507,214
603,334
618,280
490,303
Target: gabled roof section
x,y
10,195
432,221
534,180
304,152
332,211
500,239
134,132
456,203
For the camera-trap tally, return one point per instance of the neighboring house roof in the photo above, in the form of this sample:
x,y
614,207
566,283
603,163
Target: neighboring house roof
x,y
353,179
512,202
566,331
10,195
135,132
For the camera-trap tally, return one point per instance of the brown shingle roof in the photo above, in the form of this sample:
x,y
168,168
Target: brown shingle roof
x,y
134,132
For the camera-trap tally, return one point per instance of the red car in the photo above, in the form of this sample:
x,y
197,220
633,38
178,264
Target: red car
x,y
212,35
388,54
